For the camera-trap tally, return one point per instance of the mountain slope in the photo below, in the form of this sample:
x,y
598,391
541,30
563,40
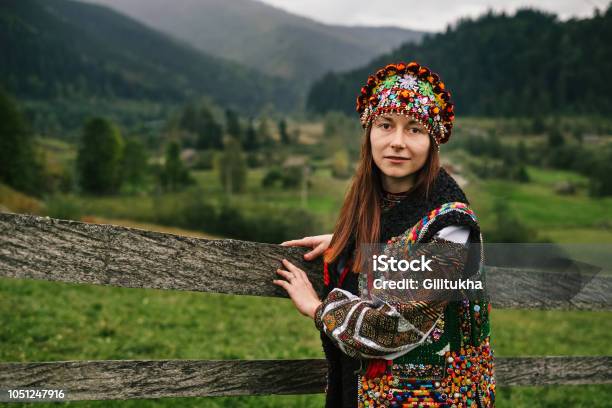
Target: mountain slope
x,y
265,37
66,49
527,64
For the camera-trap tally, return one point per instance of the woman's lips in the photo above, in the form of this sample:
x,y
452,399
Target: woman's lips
x,y
397,159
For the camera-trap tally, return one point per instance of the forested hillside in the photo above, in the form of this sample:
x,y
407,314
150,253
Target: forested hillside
x,y
62,49
529,63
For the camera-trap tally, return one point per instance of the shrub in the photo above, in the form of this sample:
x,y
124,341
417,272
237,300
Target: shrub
x,y
600,182
520,174
205,160
555,138
293,176
64,207
272,176
508,228
237,219
340,164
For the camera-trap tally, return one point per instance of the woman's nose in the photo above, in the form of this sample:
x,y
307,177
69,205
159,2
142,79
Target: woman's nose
x,y
397,142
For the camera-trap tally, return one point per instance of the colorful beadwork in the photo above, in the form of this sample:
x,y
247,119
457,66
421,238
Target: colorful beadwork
x,y
436,332
465,379
415,233
468,380
409,89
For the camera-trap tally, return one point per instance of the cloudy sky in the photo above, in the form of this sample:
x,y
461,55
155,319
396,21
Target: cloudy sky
x,y
423,15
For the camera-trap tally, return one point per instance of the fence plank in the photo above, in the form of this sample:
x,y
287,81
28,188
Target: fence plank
x,y
568,370
129,379
99,380
43,248
34,247
511,288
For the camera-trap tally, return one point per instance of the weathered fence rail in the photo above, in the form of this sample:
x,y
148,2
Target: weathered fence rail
x,y
127,379
42,248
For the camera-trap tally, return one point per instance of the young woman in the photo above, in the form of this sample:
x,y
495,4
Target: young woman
x,y
400,354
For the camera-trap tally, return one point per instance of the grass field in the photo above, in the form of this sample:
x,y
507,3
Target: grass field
x,y
561,218
324,198
113,323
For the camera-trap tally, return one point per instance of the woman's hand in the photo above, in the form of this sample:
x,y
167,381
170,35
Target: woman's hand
x,y
299,288
318,243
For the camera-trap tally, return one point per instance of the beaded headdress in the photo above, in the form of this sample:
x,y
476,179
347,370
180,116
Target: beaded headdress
x,y
409,89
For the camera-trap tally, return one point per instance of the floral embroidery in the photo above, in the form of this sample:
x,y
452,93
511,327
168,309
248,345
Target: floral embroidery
x,y
408,82
412,90
426,89
389,82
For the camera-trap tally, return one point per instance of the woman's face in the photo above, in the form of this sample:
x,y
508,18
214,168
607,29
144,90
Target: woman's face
x,y
400,146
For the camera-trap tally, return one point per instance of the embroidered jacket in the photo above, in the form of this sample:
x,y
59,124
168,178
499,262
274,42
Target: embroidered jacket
x,y
436,352
373,328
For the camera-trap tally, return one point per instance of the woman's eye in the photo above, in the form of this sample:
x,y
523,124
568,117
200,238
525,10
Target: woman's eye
x,y
415,130
385,126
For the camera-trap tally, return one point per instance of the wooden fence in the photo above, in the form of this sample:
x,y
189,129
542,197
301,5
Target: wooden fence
x,y
34,247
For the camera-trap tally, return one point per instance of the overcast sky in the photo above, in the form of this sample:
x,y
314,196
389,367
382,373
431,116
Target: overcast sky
x,y
423,15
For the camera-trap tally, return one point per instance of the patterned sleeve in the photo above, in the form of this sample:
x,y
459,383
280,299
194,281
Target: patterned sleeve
x,y
376,328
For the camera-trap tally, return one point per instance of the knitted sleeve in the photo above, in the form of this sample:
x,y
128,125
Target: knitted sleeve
x,y
383,325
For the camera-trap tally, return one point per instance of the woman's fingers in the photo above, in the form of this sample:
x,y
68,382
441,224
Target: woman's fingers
x,y
318,243
306,241
295,270
282,283
285,274
315,253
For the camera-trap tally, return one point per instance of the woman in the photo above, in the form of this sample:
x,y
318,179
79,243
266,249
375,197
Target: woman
x,y
401,353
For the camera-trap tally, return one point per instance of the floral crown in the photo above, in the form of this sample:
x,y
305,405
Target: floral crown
x,y
409,89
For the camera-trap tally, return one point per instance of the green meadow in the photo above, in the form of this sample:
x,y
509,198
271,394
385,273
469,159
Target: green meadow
x,y
559,218
45,321
113,323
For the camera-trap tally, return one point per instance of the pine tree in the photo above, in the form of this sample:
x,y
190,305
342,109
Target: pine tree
x,y
174,174
263,132
232,124
134,167
210,132
99,157
19,165
555,138
232,167
282,129
251,141
201,122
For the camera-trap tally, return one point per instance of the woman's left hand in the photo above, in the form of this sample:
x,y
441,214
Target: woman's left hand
x,y
299,288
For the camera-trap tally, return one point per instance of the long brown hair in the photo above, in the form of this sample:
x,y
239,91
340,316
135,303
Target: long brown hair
x,y
360,213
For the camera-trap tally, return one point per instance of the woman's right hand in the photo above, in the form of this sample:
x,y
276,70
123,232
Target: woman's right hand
x,y
318,243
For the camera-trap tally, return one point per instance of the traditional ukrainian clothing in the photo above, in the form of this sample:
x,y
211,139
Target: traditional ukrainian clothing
x,y
410,354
